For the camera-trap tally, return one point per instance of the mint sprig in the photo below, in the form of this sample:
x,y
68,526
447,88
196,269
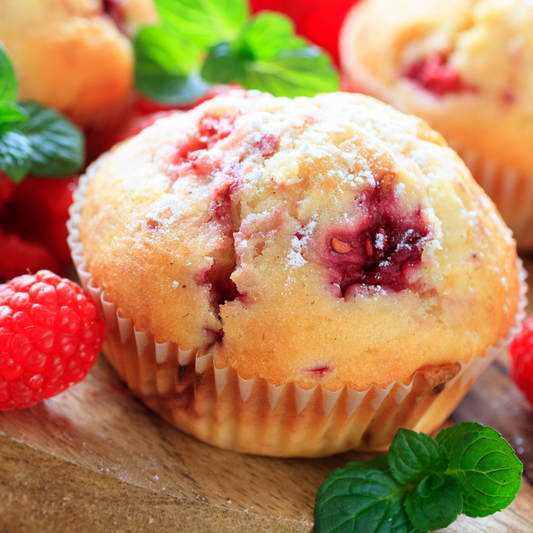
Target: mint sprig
x,y
210,41
34,139
422,484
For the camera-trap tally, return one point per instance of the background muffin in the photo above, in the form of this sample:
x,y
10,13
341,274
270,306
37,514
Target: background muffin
x,y
73,55
323,251
466,67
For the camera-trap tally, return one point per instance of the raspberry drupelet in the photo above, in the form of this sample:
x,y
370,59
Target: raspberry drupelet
x,y
50,336
521,351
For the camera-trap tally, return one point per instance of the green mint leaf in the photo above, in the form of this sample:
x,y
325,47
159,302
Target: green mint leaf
x,y
12,116
485,466
412,455
8,80
436,503
165,67
302,71
223,64
204,22
362,497
268,34
15,155
268,56
58,146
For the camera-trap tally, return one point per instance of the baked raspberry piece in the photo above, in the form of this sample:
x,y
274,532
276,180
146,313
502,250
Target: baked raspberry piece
x,y
116,10
140,114
50,336
521,351
382,251
33,220
437,76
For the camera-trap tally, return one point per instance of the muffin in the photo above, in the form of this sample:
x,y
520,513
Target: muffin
x,y
295,277
466,67
74,55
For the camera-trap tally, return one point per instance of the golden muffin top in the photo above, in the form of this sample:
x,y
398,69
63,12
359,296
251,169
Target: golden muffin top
x,y
465,66
326,240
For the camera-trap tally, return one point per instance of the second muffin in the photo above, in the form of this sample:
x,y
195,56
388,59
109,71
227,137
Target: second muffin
x,y
466,67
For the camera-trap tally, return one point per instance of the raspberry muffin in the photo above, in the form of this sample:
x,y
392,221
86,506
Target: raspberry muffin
x,y
295,277
464,66
74,55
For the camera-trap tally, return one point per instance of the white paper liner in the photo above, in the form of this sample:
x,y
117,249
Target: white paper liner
x,y
510,189
369,418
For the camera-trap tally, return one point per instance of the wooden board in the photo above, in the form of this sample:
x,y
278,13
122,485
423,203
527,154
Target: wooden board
x,y
97,460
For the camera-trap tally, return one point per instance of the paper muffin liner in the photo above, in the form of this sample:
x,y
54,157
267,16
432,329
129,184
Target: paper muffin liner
x,y
219,407
510,189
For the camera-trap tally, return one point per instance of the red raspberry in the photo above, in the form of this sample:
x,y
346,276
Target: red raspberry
x,y
33,218
50,335
521,351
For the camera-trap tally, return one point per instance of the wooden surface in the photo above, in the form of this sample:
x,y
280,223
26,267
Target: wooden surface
x,y
97,460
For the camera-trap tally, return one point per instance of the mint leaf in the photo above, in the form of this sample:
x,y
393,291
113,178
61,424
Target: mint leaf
x,y
12,116
165,67
15,155
262,53
223,64
268,34
362,497
413,454
204,22
485,466
293,72
436,503
57,145
268,56
8,80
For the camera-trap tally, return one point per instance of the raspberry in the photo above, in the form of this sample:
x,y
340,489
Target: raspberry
x,y
50,335
7,188
33,225
521,351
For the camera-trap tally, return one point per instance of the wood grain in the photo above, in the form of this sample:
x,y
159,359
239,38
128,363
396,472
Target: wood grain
x,y
97,460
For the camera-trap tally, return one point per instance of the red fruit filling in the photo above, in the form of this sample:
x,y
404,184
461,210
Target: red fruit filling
x,y
191,155
437,76
268,145
320,371
382,250
217,278
115,9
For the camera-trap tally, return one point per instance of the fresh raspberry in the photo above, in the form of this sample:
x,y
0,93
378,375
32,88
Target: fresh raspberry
x,y
50,335
7,189
33,225
521,351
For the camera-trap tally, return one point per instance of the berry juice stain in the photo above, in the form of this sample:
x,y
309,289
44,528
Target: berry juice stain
x,y
116,10
437,76
381,250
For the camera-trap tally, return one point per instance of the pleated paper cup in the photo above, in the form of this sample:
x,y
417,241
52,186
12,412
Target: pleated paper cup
x,y
510,189
218,406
